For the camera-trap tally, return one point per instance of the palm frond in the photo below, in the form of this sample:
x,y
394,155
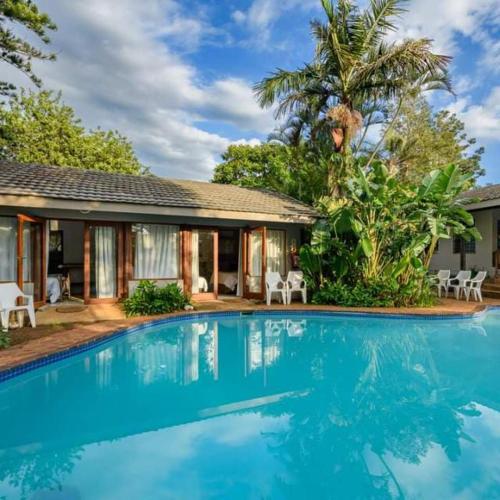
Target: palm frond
x,y
375,22
409,60
282,83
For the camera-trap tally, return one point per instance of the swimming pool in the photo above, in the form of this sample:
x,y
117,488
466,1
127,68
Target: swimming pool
x,y
263,406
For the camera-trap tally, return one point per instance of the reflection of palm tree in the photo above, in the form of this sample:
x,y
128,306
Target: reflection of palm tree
x,y
44,470
372,394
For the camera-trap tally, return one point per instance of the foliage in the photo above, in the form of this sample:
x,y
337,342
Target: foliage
x,y
4,339
150,299
40,128
379,239
422,140
355,68
15,50
376,294
295,171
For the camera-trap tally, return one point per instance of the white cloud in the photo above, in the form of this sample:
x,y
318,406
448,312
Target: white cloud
x,y
116,67
482,120
238,16
443,20
263,14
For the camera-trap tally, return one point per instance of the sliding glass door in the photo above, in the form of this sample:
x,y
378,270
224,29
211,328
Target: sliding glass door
x,y
33,236
204,263
254,262
102,262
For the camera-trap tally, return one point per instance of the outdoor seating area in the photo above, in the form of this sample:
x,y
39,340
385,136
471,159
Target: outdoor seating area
x,y
284,289
461,284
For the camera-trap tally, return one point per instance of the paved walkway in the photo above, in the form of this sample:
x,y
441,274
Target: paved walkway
x,y
66,330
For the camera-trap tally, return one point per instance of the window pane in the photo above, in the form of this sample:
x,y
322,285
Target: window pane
x,y
156,251
8,248
202,261
255,262
103,262
276,251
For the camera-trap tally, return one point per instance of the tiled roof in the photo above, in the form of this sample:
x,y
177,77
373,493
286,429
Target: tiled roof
x,y
91,185
485,193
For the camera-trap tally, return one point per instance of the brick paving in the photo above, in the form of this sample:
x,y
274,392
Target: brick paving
x,y
106,323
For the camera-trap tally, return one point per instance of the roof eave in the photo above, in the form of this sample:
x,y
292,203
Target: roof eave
x,y
39,202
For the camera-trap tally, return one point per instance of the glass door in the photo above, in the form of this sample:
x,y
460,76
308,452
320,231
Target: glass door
x,y
31,259
204,263
254,262
101,262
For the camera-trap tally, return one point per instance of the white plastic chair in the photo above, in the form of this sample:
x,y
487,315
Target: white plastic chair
x,y
458,283
296,283
9,293
274,284
441,281
474,286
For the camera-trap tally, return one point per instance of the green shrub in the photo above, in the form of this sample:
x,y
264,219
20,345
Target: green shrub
x,y
4,340
149,299
377,294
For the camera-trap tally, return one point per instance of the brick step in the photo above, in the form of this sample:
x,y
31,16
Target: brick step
x,y
492,294
491,286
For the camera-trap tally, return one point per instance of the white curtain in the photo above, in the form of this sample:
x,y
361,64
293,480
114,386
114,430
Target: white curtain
x,y
8,248
239,288
255,279
105,262
27,255
156,251
276,251
195,261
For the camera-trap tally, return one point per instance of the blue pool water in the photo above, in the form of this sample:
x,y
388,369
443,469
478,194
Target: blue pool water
x,y
263,406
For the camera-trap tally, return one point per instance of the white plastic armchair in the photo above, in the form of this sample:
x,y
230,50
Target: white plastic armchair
x,y
274,284
9,293
441,281
458,283
296,283
474,286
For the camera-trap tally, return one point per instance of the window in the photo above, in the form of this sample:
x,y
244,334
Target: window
x,y
276,251
156,251
8,248
469,246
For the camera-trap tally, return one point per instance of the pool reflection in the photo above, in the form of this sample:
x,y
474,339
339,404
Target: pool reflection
x,y
355,398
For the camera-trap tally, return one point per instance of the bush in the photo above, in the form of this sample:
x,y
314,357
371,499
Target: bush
x,y
150,299
4,340
376,294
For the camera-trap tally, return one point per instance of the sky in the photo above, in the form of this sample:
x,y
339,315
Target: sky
x,y
176,76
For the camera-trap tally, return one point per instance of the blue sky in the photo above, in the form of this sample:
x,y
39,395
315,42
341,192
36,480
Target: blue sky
x,y
176,76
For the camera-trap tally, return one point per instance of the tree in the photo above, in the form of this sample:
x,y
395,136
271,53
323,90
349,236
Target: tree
x,y
354,67
40,128
374,246
13,49
422,140
293,170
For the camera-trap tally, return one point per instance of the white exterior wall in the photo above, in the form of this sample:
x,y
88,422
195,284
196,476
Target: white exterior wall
x,y
480,260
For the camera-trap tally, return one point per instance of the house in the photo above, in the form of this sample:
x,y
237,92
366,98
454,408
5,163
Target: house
x,y
454,254
100,233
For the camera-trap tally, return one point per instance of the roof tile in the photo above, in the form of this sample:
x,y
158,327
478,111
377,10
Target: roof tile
x,y
92,185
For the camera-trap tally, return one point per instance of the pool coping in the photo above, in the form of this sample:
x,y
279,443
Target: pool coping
x,y
14,369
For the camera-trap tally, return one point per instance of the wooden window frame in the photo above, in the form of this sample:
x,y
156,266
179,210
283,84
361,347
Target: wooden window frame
x,y
21,220
246,257
121,258
130,246
186,261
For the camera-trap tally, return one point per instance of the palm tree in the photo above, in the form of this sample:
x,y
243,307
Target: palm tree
x,y
354,67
